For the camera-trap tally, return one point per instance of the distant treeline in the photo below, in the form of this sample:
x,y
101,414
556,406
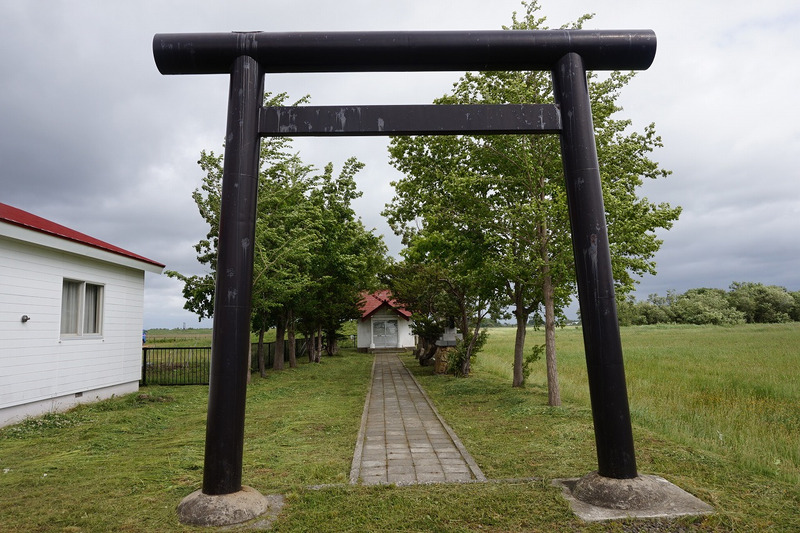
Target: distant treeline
x,y
741,303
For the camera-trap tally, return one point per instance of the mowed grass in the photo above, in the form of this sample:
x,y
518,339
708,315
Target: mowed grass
x,y
124,464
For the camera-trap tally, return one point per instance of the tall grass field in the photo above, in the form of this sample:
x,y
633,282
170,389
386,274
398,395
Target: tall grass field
x,y
733,391
715,410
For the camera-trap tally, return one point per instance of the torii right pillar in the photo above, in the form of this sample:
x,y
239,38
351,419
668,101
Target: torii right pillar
x,y
609,395
616,490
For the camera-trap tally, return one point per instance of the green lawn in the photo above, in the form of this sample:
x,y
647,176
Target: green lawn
x,y
715,410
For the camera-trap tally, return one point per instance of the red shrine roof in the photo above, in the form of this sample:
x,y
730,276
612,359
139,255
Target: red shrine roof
x,y
379,300
21,218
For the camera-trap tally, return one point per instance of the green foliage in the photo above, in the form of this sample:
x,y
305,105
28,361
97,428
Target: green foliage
x,y
795,313
491,211
761,303
535,354
440,292
421,289
705,306
653,313
491,322
633,313
427,327
743,302
459,359
347,257
312,256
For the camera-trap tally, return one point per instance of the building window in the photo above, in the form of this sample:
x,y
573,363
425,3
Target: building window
x,y
81,308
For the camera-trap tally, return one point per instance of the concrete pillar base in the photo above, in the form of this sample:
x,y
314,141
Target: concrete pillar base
x,y
594,497
200,509
640,492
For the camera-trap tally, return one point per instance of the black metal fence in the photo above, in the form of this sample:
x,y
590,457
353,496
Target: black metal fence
x,y
175,366
190,366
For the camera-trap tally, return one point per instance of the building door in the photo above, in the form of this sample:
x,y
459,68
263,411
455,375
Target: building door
x,y
384,333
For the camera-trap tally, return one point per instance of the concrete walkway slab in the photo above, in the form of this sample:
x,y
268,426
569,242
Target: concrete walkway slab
x,y
403,440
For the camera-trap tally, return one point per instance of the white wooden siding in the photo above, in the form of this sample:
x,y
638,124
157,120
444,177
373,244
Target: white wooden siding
x,y
363,334
36,364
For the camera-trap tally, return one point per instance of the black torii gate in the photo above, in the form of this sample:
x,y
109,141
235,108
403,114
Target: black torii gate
x,y
246,57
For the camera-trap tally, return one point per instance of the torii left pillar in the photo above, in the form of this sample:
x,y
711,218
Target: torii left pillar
x,y
223,500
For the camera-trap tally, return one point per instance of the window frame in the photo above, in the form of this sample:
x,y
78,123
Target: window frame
x,y
79,324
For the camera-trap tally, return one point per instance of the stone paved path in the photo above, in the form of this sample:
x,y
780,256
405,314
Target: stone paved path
x,y
403,440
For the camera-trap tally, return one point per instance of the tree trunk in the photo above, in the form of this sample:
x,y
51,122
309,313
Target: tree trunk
x,y
318,350
426,352
333,344
249,362
262,363
310,346
465,333
292,341
280,335
466,366
519,340
553,392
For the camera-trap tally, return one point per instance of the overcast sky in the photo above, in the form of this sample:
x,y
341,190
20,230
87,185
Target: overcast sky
x,y
94,138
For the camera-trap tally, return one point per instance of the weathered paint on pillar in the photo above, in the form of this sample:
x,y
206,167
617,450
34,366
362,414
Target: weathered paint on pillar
x,y
609,395
222,472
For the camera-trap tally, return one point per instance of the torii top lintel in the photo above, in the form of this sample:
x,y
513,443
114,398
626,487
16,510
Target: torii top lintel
x,y
214,53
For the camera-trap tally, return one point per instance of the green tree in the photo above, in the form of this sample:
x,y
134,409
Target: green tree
x,y
346,260
502,199
795,313
627,311
461,283
761,303
705,306
651,313
287,231
655,310
420,289
312,256
198,290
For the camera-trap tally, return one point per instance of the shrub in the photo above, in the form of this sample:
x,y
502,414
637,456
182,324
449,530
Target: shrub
x,y
761,303
706,306
458,355
537,350
795,313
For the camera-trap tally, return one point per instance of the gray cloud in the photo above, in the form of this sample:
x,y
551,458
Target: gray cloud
x,y
93,137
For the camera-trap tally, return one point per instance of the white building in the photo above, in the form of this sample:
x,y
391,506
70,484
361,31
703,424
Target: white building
x,y
384,323
71,311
